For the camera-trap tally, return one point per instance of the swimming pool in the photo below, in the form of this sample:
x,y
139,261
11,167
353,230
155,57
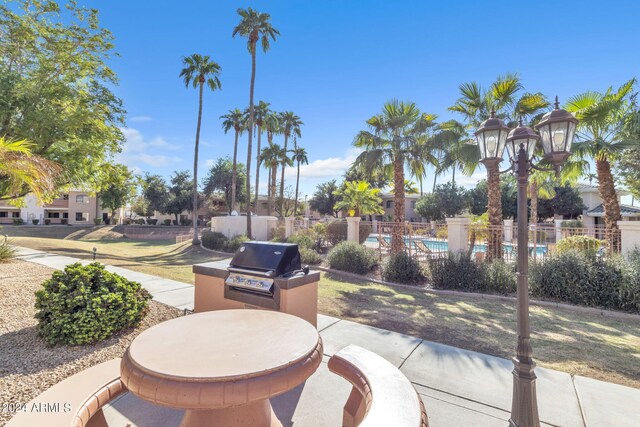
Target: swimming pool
x,y
443,246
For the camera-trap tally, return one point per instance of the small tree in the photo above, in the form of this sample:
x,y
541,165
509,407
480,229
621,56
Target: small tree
x,y
448,200
219,179
358,198
155,194
180,193
119,190
324,199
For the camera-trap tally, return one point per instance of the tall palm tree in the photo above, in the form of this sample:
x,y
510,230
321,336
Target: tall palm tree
x,y
601,136
272,157
234,119
262,113
254,26
290,125
22,172
455,149
476,104
199,70
395,138
299,156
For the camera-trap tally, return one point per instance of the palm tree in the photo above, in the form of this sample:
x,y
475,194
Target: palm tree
x,y
290,125
262,113
396,138
358,198
23,172
271,157
299,156
476,104
455,149
197,71
254,26
235,120
601,136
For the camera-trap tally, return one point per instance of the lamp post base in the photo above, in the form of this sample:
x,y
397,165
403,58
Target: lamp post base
x,y
524,407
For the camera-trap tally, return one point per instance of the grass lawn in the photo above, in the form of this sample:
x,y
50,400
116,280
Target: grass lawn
x,y
574,342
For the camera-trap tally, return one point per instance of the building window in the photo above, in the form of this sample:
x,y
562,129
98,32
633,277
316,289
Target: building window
x,y
4,214
413,204
82,198
389,204
53,214
65,197
15,214
82,216
65,215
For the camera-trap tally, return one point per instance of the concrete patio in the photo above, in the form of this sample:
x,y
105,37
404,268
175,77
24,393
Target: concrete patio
x,y
458,387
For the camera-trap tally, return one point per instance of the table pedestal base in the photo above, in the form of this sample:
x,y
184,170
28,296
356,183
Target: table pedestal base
x,y
256,414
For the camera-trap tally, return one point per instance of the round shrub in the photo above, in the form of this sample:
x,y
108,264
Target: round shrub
x,y
500,277
352,257
303,241
234,244
214,240
35,221
153,221
402,268
7,253
584,244
456,271
336,232
309,256
18,221
85,304
167,222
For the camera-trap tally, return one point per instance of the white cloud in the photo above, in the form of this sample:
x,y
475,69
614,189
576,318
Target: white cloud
x,y
137,149
333,167
140,119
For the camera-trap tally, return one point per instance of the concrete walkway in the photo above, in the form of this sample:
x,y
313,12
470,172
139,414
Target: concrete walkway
x,y
459,387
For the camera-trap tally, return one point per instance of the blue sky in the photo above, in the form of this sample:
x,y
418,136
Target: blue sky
x,y
337,62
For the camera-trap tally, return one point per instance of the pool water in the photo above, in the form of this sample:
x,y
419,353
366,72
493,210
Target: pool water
x,y
443,246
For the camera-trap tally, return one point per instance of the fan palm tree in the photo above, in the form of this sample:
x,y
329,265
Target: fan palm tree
x,y
299,156
199,70
261,113
455,149
476,105
395,138
601,136
271,157
23,172
234,119
289,125
254,26
358,198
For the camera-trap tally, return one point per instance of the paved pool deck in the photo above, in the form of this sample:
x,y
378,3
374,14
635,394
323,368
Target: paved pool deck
x,y
458,387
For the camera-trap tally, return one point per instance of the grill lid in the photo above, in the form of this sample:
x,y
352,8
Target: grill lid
x,y
279,258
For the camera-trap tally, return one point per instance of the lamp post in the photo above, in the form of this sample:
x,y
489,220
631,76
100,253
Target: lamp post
x,y
556,130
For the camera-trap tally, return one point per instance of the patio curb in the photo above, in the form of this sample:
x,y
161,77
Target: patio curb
x,y
540,303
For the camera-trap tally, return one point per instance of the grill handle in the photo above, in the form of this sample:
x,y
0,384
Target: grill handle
x,y
265,274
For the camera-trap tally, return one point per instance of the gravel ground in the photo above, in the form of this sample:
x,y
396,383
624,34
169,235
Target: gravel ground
x,y
27,365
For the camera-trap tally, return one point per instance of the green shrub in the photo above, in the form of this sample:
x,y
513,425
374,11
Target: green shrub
x,y
234,244
573,223
167,222
35,221
402,268
127,221
364,232
352,257
336,232
579,278
7,252
18,221
499,277
47,221
214,240
456,271
64,221
97,221
152,221
303,240
186,221
584,244
309,256
85,304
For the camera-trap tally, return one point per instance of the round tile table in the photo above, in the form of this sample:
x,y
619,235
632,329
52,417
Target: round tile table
x,y
222,366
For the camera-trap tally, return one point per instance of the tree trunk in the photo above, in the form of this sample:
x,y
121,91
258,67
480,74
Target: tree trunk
x,y
234,174
248,184
612,215
533,194
269,192
435,179
195,240
295,204
284,165
255,203
397,243
453,175
494,205
274,175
